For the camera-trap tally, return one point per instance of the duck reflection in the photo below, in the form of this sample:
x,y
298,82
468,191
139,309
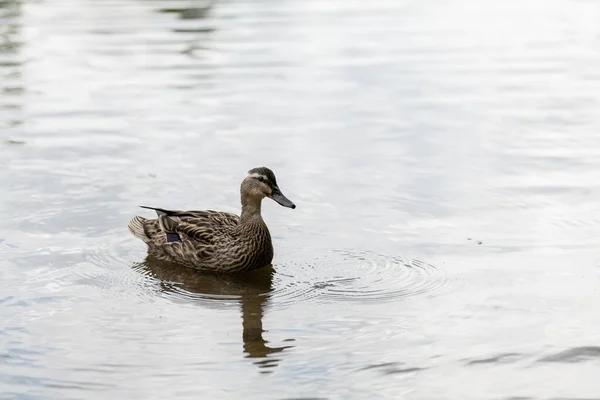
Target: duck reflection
x,y
252,289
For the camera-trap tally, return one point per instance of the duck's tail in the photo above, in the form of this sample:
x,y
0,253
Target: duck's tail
x,y
136,226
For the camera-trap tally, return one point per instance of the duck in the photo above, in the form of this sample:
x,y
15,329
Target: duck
x,y
215,241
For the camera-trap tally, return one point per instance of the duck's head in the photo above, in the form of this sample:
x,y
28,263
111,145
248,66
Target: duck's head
x,y
261,183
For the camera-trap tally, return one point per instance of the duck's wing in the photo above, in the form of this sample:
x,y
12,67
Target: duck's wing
x,y
198,226
191,237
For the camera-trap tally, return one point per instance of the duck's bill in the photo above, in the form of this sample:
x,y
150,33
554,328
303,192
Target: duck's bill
x,y
281,199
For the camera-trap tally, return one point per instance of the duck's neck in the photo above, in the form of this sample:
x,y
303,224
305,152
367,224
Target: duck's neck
x,y
251,210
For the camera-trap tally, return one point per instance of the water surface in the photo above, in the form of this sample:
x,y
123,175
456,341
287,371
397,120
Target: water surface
x,y
444,158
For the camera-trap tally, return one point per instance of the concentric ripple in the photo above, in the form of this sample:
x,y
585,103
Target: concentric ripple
x,y
184,284
359,276
328,276
106,267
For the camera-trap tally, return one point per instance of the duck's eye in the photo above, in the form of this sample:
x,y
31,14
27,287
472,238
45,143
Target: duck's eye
x,y
261,178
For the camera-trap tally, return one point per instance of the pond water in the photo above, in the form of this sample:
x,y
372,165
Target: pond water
x,y
444,158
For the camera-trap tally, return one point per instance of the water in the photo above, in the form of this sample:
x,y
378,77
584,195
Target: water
x,y
444,158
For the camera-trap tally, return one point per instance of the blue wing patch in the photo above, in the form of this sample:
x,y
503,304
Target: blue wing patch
x,y
173,237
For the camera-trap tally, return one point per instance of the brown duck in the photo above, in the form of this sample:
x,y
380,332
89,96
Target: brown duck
x,y
212,240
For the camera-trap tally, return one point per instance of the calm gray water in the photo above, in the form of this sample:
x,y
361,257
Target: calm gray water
x,y
444,158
